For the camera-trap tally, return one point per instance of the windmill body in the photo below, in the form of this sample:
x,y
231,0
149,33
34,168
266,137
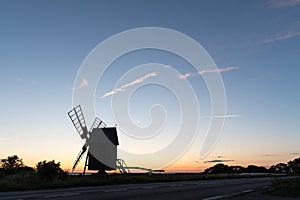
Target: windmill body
x,y
102,153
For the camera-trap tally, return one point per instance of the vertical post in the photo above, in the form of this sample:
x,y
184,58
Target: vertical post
x,y
85,164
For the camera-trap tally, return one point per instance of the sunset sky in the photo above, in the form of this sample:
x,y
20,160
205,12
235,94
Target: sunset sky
x,y
254,44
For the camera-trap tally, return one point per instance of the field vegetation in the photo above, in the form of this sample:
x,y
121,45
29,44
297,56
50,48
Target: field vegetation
x,y
15,175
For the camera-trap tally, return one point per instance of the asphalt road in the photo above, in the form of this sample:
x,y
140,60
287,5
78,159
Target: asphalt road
x,y
204,189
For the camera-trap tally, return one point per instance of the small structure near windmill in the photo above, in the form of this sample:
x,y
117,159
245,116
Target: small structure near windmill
x,y
100,143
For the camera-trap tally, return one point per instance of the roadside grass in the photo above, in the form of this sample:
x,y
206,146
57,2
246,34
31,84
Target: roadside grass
x,y
33,182
290,187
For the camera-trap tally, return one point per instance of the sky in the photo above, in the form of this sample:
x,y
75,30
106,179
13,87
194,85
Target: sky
x,y
254,44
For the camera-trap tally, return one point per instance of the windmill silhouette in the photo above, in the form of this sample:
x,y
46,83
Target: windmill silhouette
x,y
100,142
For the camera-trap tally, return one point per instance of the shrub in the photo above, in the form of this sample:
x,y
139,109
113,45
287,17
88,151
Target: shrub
x,y
49,170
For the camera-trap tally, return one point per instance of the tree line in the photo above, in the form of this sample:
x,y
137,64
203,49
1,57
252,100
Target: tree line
x,y
291,167
45,170
50,170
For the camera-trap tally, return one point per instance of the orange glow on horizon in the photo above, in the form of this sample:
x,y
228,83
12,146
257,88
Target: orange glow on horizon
x,y
185,164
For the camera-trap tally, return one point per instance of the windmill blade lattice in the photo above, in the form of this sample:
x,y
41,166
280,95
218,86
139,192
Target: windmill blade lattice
x,y
77,118
98,123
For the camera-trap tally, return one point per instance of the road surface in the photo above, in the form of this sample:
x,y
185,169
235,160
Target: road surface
x,y
204,189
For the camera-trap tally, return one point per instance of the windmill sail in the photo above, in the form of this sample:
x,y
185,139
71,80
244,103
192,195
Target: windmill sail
x,y
98,123
77,118
83,150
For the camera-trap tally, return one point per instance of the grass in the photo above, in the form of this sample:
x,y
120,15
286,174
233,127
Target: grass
x,y
290,187
32,182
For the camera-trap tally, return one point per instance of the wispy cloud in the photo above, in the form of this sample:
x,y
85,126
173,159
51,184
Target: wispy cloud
x,y
192,74
269,155
225,116
22,80
283,3
84,83
282,36
217,161
7,139
132,83
221,116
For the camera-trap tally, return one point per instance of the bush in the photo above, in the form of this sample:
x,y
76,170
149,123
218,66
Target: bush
x,y
294,166
219,169
2,172
49,170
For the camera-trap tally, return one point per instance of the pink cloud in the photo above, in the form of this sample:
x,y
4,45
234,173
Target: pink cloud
x,y
8,139
186,75
189,74
84,83
282,37
132,83
284,3
221,116
225,116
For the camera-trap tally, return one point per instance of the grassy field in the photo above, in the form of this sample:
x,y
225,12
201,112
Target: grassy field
x,y
289,187
13,183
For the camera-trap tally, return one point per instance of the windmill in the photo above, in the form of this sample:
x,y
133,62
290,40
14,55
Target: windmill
x,y
100,142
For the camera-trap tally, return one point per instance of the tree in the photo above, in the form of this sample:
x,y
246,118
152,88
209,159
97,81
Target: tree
x,y
49,170
219,169
237,169
11,164
279,168
294,166
256,169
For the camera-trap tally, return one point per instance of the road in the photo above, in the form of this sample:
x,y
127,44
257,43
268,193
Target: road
x,y
204,189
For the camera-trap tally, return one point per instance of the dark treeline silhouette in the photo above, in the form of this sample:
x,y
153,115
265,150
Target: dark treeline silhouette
x,y
292,167
50,170
44,170
225,169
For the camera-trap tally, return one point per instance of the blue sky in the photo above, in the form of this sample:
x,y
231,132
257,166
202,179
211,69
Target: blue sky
x,y
43,43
